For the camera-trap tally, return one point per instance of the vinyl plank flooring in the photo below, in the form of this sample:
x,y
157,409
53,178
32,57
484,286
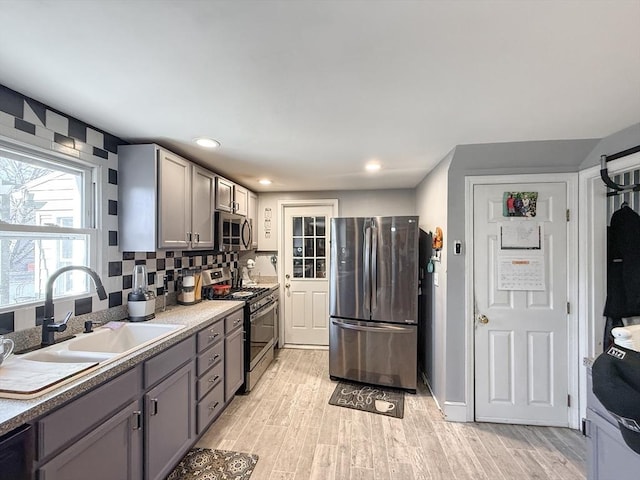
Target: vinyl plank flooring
x,y
379,449
323,466
287,421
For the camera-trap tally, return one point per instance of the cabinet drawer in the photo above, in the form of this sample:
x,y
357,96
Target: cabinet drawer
x,y
166,362
210,406
63,425
209,358
210,380
210,335
234,320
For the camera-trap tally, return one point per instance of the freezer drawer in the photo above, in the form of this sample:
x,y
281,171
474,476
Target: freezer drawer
x,y
373,352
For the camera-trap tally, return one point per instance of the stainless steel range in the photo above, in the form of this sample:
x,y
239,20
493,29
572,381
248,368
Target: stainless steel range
x,y
260,322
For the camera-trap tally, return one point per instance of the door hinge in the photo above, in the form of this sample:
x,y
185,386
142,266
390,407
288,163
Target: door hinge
x,y
568,400
568,308
568,215
586,427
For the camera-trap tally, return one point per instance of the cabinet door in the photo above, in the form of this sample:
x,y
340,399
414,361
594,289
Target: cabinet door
x,y
233,363
224,195
241,197
174,201
253,218
170,422
608,456
202,207
113,450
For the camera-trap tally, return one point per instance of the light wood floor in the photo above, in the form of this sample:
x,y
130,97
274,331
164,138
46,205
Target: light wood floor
x,y
288,422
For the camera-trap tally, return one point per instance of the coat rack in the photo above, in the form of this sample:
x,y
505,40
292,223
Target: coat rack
x,y
604,173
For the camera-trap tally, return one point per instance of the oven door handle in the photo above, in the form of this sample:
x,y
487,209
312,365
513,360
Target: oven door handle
x,y
260,313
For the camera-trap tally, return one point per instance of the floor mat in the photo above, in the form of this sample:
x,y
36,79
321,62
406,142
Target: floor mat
x,y
207,464
370,398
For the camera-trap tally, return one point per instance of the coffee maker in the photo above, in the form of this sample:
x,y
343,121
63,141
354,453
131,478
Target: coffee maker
x,y
141,302
189,288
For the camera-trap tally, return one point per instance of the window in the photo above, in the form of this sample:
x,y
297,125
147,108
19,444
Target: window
x,y
46,216
309,251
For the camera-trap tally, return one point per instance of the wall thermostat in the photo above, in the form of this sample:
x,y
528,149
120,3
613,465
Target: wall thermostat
x,y
457,247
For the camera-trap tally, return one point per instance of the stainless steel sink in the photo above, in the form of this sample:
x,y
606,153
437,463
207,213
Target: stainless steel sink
x,y
105,344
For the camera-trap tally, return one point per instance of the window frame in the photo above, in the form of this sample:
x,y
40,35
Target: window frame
x,y
92,172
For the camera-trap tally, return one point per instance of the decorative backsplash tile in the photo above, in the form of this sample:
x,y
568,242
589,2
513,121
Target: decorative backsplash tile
x,y
27,120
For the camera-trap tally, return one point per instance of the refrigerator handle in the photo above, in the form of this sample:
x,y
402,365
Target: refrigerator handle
x,y
374,269
367,269
371,328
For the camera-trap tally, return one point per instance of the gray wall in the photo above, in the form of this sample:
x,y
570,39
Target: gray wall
x,y
357,203
622,140
431,197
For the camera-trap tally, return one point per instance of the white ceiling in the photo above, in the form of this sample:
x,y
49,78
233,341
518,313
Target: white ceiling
x,y
307,92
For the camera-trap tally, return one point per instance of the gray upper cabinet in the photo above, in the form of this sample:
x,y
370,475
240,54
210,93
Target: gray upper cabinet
x,y
174,201
253,218
165,201
231,197
241,197
224,195
202,207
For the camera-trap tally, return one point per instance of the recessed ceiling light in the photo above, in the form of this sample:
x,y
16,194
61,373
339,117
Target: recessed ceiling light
x,y
372,167
265,181
207,142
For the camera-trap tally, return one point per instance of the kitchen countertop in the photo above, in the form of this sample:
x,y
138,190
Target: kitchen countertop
x,y
14,413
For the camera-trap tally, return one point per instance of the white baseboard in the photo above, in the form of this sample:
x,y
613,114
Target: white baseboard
x,y
455,411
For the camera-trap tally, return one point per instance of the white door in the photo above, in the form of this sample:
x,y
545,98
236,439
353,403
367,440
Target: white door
x,y
520,294
306,265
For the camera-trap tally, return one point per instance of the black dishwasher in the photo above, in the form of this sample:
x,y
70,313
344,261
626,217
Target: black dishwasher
x,y
17,449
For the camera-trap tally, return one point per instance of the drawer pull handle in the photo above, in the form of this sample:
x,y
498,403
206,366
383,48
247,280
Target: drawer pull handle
x,y
214,406
137,420
214,336
214,379
214,358
154,405
237,321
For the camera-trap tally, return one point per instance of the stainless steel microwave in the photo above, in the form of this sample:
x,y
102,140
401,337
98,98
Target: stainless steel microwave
x,y
233,232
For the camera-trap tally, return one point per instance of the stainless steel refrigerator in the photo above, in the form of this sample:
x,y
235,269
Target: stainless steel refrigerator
x,y
374,300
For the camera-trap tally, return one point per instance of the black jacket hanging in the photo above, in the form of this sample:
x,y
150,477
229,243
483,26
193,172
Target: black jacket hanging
x,y
623,268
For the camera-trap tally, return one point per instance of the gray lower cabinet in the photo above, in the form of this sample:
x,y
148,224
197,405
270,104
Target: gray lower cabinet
x,y
169,422
210,364
234,362
113,450
141,423
608,456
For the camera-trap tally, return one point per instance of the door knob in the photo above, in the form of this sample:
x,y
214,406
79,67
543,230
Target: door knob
x,y
287,276
287,285
483,319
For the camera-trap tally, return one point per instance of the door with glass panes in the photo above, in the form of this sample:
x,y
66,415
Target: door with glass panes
x,y
306,264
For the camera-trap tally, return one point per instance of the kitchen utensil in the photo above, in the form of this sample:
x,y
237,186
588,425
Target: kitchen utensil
x,y
141,302
140,284
186,294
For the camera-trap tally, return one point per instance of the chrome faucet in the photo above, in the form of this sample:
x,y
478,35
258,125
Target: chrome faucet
x,y
49,327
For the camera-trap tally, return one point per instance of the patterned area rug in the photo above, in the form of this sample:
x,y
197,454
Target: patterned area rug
x,y
369,398
207,464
